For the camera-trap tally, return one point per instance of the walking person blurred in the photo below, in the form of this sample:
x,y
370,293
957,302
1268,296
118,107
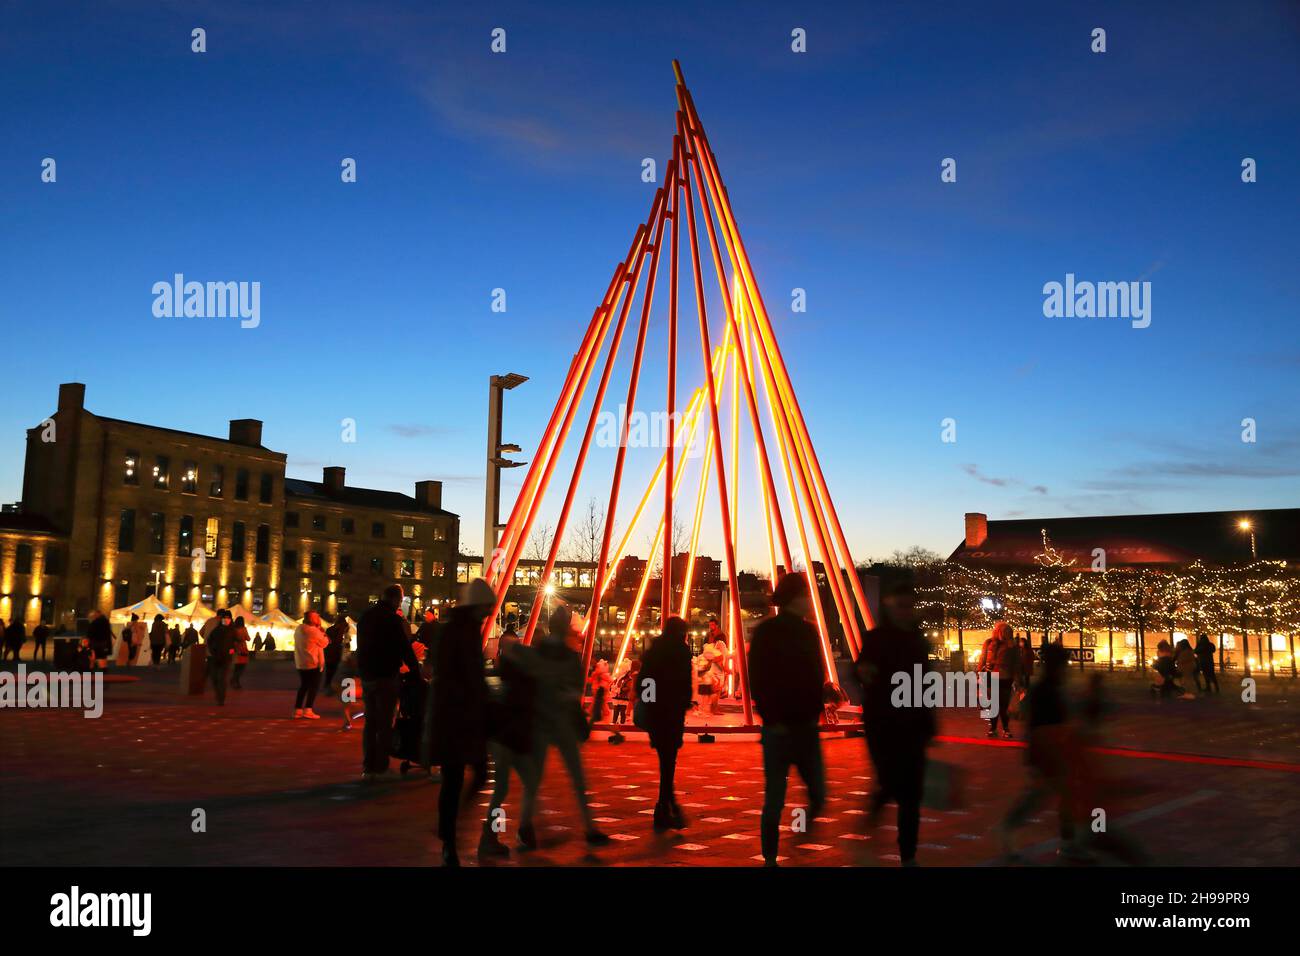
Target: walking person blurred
x,y
383,647
220,645
460,703
173,643
511,744
560,720
1205,662
239,646
157,640
897,736
663,686
309,643
786,678
1052,750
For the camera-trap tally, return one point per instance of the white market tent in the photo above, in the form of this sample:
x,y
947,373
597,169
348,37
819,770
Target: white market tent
x,y
251,620
146,609
280,625
195,611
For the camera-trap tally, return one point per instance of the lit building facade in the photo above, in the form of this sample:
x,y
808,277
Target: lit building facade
x,y
114,511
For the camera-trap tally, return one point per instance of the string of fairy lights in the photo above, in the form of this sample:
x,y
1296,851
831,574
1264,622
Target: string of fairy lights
x,y
1251,609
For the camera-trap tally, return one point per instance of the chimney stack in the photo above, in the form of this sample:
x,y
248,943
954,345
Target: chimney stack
x,y
428,495
333,477
72,396
246,431
977,529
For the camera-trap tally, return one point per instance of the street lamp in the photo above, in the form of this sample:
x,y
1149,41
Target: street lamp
x,y
497,386
1245,525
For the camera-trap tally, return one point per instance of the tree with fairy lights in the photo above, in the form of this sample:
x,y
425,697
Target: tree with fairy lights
x,y
1081,600
953,599
1139,598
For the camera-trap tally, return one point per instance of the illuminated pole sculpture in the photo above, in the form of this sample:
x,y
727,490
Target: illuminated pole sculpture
x,y
692,201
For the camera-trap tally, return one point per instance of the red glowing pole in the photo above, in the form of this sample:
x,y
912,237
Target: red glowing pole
x,y
751,348
666,599
795,445
695,533
534,504
611,509
760,315
719,362
734,330
491,568
633,277
716,435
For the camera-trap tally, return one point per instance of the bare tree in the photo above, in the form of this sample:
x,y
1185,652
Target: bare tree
x,y
585,537
539,542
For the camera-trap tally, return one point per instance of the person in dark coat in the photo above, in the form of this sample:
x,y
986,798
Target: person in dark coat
x,y
15,637
896,736
510,740
100,635
157,639
220,651
338,635
1205,662
664,684
460,702
40,635
786,676
383,647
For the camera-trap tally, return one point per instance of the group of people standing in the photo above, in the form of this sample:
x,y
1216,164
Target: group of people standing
x,y
1183,670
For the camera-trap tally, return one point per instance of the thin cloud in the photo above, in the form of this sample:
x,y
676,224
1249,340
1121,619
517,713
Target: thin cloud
x,y
974,471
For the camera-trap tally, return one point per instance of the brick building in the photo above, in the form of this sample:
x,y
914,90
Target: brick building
x,y
114,510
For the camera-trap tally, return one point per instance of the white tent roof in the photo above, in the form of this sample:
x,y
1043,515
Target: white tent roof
x,y
250,619
277,618
146,609
196,610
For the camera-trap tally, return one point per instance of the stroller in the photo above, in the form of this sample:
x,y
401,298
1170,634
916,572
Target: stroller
x,y
410,730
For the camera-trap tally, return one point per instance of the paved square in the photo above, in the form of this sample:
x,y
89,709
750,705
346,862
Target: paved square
x,y
1199,783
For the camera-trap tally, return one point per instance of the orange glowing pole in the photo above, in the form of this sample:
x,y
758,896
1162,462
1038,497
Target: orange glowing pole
x,y
695,533
715,435
633,278
674,185
747,331
611,510
535,501
688,426
794,445
649,566
741,257
492,568
734,330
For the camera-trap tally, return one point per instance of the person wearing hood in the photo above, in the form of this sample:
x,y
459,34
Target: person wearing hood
x,y
157,639
309,643
460,704
561,721
664,684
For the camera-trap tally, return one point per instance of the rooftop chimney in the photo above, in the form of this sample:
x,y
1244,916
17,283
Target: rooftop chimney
x,y
977,529
334,480
72,396
428,495
246,431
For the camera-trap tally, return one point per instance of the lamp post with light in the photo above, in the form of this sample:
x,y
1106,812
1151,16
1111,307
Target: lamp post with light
x,y
1245,525
498,385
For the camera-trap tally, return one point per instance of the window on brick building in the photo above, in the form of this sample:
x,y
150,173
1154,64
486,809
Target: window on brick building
x,y
131,469
217,488
126,531
241,484
161,471
237,541
190,478
263,552
157,532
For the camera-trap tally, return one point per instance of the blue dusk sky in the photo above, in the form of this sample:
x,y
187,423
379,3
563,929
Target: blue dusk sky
x,y
522,171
